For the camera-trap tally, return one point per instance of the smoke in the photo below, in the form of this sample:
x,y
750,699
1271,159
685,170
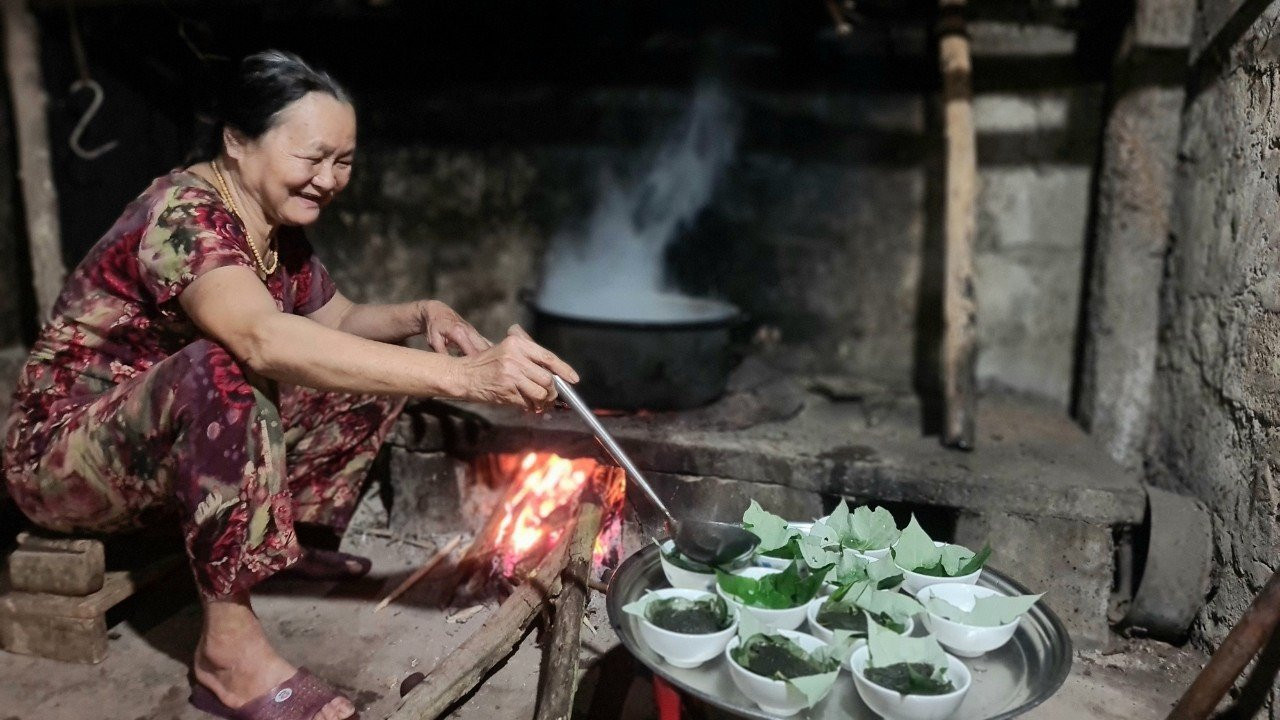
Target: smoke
x,y
614,268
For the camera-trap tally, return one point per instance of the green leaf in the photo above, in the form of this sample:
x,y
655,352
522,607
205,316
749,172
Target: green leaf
x,y
815,553
886,647
986,612
884,603
916,552
772,530
823,535
872,529
954,557
884,574
850,568
915,549
776,591
890,609
814,687
976,562
637,607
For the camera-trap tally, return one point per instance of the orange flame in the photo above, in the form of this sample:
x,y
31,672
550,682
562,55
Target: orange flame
x,y
547,483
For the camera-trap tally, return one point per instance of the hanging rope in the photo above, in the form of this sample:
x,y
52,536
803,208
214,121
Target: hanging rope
x,y
84,82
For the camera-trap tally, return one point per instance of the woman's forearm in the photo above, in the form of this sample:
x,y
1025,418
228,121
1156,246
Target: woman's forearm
x,y
293,349
392,323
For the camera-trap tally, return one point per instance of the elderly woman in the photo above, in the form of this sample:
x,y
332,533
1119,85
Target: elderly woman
x,y
200,360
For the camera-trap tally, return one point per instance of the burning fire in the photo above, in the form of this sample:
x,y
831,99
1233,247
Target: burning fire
x,y
545,492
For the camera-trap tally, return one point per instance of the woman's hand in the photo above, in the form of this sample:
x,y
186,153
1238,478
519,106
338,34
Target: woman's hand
x,y
516,371
444,328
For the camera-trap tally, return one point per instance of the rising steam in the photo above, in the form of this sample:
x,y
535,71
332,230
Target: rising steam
x,y
615,269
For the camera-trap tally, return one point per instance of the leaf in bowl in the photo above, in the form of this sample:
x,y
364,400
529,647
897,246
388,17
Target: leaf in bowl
x,y
863,528
915,551
773,531
776,591
778,657
853,568
987,611
907,665
849,611
773,655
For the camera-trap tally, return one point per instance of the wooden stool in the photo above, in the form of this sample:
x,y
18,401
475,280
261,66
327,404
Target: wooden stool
x,y
57,593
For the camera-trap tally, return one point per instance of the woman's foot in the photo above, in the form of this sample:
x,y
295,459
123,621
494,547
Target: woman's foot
x,y
236,663
318,564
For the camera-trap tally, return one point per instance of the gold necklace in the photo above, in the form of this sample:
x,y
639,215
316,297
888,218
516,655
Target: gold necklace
x,y
225,194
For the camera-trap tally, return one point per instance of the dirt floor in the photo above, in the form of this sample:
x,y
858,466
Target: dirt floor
x,y
332,629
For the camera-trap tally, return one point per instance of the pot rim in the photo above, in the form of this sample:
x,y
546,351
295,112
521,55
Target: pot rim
x,y
733,316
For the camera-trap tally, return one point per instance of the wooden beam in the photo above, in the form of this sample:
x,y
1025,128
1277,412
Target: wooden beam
x,y
39,196
959,306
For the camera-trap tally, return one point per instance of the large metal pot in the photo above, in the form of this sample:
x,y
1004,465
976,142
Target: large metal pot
x,y
678,362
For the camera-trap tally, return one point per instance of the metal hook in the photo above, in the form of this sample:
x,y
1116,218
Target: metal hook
x,y
79,129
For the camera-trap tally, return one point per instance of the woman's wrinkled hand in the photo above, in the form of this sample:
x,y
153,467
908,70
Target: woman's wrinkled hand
x,y
516,371
445,328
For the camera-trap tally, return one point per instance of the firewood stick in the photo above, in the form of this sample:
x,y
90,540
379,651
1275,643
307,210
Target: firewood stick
x,y
959,310
560,678
420,573
496,639
482,545
1243,642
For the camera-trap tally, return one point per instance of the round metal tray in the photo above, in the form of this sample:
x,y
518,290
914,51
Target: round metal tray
x,y
1007,682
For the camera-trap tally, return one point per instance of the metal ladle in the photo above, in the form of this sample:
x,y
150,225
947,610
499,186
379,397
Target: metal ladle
x,y
703,541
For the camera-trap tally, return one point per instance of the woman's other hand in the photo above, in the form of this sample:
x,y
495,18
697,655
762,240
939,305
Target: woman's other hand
x,y
516,371
444,328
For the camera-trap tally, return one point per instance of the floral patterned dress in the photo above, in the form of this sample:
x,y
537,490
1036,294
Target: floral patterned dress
x,y
124,412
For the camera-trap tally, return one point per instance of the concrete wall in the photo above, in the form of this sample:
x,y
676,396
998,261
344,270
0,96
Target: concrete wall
x,y
1217,416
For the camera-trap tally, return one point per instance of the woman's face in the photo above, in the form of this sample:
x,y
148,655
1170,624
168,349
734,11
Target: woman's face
x,y
296,168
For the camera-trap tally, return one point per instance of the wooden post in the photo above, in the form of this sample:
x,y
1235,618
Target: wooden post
x,y
959,342
560,677
39,196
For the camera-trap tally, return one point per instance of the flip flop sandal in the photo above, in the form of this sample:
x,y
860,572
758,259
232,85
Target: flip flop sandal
x,y
298,698
317,564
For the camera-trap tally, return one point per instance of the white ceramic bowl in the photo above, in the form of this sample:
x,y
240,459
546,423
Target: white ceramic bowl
x,y
828,636
785,619
964,640
914,582
684,650
682,578
770,563
775,697
895,706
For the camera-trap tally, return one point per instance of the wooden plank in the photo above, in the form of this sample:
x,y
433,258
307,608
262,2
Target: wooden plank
x,y
39,196
959,306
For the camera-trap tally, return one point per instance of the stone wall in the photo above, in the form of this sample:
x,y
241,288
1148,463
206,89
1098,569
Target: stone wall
x,y
824,227
1217,416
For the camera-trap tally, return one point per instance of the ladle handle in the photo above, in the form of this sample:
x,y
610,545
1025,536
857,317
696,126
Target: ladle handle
x,y
611,446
